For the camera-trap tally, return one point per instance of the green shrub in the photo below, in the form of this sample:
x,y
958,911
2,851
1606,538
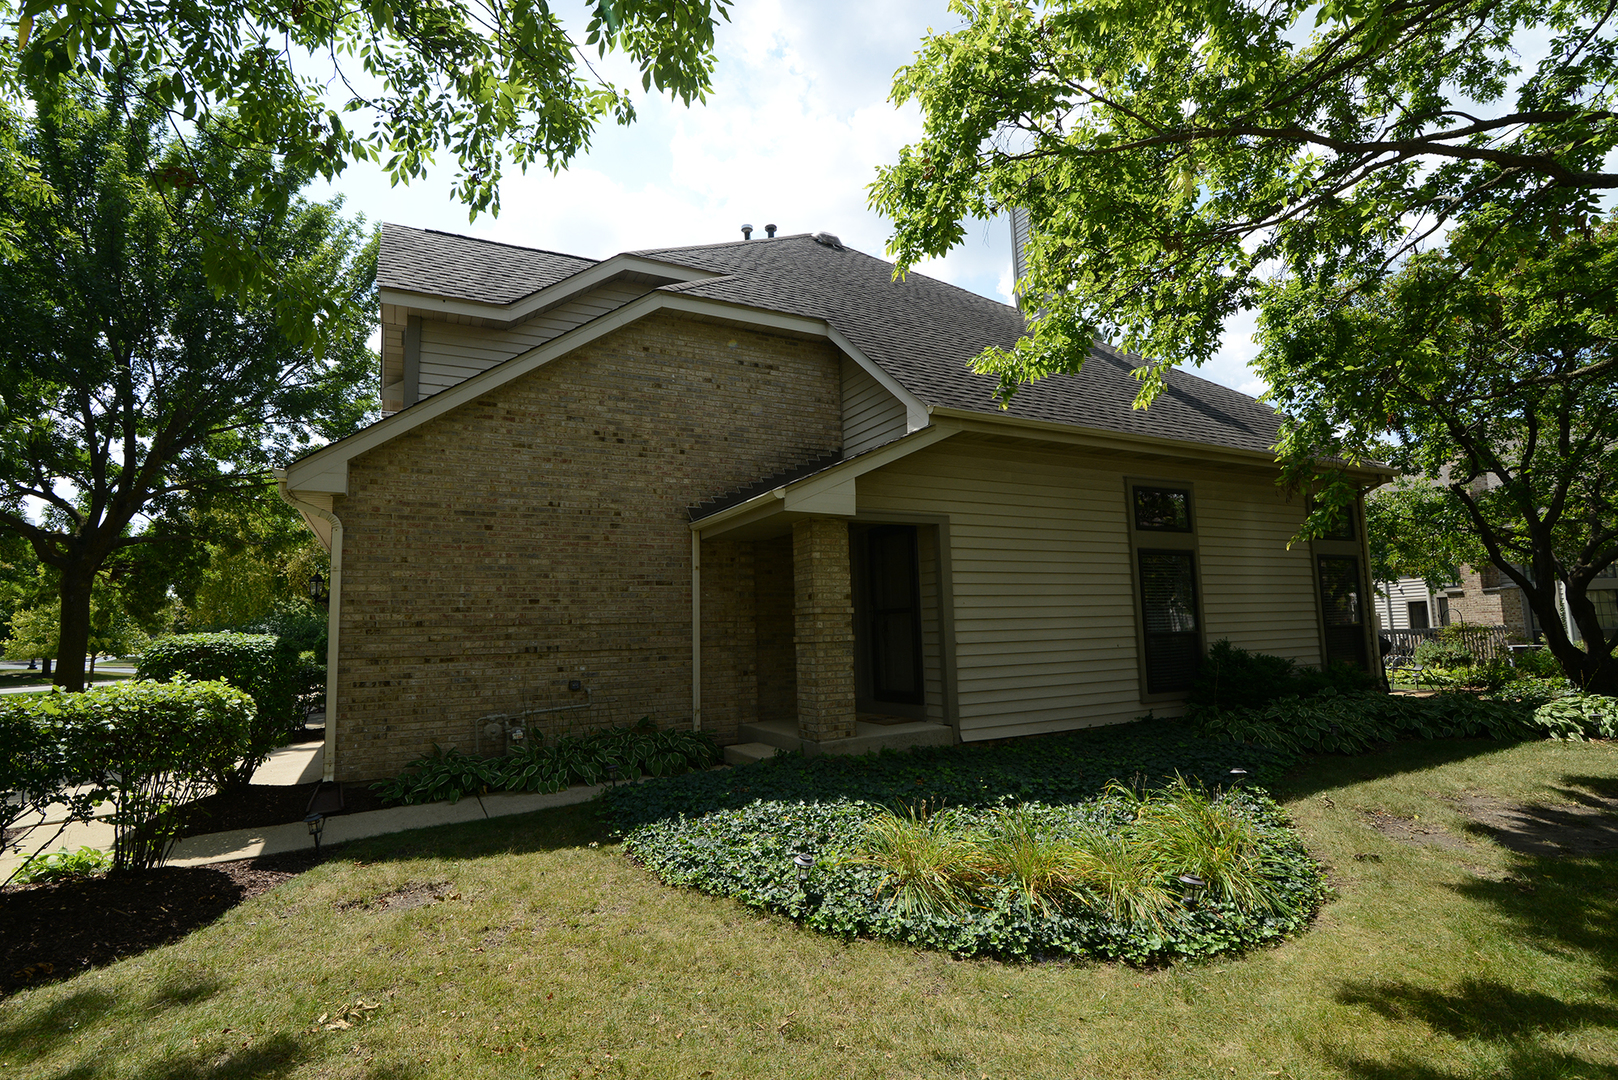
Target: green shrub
x,y
1233,678
1444,651
62,865
1353,723
1579,716
266,667
641,750
1538,663
34,768
148,748
1096,879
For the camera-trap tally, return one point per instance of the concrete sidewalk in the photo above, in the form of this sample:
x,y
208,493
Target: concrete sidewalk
x,y
292,765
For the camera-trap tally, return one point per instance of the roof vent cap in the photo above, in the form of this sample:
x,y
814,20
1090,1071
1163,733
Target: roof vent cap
x,y
828,240
769,231
747,232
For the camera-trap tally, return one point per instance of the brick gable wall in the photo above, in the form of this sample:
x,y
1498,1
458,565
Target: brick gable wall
x,y
539,534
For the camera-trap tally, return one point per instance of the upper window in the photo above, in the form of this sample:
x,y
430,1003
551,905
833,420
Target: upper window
x,y
1162,509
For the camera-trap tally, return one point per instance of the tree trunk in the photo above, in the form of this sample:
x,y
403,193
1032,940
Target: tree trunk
x,y
45,666
74,642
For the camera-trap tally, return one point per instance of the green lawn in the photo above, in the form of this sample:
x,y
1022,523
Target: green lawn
x,y
552,957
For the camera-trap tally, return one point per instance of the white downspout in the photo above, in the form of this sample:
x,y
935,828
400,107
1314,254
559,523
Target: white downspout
x,y
696,631
333,615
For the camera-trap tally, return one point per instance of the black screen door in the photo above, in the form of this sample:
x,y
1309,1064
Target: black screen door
x,y
895,617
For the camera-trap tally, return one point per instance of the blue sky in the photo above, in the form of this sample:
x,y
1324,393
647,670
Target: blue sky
x,y
793,133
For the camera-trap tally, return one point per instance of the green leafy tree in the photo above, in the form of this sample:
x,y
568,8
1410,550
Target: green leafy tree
x,y
135,395
1417,529
1383,181
1495,380
318,84
1174,157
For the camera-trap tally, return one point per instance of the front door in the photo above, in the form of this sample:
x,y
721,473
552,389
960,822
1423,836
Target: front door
x,y
894,626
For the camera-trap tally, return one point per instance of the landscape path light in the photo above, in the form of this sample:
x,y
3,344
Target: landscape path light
x,y
1193,888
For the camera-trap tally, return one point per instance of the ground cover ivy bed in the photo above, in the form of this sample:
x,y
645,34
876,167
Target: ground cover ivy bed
x,y
1137,843
1176,873
1024,849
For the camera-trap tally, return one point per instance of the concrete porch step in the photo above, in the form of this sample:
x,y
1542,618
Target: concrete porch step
x,y
867,738
748,752
782,734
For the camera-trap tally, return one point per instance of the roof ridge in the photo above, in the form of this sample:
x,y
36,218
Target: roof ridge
x,y
724,244
491,243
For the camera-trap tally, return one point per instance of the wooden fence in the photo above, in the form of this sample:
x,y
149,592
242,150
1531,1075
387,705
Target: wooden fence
x,y
1483,642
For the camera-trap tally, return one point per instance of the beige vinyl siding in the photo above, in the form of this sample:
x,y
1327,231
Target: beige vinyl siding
x,y
1255,591
1039,560
871,415
1043,590
453,352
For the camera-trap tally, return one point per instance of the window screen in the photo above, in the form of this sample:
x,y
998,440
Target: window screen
x,y
1341,609
1162,509
1168,596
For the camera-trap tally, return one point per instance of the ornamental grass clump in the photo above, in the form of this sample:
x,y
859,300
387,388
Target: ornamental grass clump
x,y
1099,878
928,861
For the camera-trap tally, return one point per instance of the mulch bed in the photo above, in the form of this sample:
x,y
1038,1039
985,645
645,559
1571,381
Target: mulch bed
x,y
54,931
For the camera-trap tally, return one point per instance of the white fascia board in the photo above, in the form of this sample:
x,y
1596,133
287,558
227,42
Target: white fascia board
x,y
916,413
830,491
326,469
550,295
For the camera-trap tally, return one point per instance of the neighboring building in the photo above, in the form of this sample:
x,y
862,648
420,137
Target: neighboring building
x,y
755,486
1407,604
1483,597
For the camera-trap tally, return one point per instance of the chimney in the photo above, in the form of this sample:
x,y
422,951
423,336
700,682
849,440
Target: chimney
x,y
769,231
747,232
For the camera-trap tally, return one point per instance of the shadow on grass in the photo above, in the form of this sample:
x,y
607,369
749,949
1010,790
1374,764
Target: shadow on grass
x,y
1565,907
520,834
37,1034
274,1056
1324,772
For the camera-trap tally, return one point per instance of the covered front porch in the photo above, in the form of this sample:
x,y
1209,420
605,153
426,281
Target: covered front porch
x,y
823,633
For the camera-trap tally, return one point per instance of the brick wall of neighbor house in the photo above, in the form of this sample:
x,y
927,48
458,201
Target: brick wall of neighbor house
x,y
1474,604
539,534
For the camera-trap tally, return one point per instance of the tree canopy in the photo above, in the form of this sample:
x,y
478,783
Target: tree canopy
x,y
314,85
1174,157
133,393
1492,381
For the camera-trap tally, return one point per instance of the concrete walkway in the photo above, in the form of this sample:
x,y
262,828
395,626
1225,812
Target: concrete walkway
x,y
292,765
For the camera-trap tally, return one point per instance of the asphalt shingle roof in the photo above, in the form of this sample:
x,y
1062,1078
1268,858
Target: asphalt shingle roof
x,y
925,332
922,331
461,268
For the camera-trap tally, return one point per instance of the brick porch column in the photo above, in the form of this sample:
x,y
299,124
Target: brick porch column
x,y
823,623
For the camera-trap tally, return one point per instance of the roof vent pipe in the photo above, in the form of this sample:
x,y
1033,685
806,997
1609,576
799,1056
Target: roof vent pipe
x,y
769,230
747,232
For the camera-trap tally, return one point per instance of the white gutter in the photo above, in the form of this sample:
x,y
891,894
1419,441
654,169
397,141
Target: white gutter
x,y
334,605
